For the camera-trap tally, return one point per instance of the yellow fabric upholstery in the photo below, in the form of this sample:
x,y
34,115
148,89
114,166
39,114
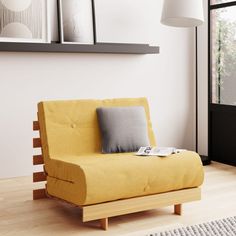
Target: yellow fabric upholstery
x,y
80,174
106,177
71,127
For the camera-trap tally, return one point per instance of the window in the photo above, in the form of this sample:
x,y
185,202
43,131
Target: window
x,y
223,51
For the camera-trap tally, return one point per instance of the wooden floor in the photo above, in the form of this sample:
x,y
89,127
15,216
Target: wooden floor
x,y
19,215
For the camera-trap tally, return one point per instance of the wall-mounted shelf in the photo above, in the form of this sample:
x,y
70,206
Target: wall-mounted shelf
x,y
118,48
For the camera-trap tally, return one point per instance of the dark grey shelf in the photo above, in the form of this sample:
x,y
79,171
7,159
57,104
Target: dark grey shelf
x,y
117,48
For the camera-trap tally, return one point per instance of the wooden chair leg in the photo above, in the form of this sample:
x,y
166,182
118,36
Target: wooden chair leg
x,y
178,209
104,223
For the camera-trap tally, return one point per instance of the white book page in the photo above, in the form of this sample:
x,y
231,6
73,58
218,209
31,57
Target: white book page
x,y
162,151
143,151
158,151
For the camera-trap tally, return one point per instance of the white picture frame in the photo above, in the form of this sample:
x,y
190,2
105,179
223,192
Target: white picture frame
x,y
76,22
54,21
25,22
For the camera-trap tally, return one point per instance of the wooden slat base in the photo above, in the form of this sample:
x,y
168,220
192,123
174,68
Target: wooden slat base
x,y
38,160
35,125
37,143
104,223
121,207
39,177
178,209
39,194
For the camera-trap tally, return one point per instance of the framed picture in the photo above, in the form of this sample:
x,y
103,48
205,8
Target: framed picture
x,y
24,21
118,25
77,24
54,21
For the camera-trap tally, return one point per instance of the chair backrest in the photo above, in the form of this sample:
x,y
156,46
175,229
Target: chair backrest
x,y
71,127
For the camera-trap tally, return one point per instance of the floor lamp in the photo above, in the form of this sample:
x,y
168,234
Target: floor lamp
x,y
185,13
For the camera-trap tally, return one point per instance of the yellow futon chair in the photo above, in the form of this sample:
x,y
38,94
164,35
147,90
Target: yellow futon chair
x,y
106,185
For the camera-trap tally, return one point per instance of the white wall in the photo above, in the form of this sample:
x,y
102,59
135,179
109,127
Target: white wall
x,y
168,79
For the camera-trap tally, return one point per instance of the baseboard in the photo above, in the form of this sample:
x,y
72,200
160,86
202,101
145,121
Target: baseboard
x,y
205,160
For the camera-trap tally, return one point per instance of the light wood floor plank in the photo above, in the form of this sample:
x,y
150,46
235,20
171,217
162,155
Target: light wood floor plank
x,y
19,215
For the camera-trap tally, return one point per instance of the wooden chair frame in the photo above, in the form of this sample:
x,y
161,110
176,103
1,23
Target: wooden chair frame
x,y
102,211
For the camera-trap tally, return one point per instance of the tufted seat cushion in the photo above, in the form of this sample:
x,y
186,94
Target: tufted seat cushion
x,y
105,177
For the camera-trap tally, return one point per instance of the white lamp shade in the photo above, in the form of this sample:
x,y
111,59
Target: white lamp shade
x,y
182,13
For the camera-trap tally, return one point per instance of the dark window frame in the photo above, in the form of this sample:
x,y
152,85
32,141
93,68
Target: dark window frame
x,y
213,106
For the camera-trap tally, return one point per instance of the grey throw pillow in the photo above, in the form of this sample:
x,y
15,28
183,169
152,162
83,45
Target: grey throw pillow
x,y
123,129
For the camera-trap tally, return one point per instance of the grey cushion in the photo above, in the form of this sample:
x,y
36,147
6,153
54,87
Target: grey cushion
x,y
123,129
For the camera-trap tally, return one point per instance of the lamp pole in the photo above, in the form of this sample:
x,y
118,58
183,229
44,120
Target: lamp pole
x,y
196,80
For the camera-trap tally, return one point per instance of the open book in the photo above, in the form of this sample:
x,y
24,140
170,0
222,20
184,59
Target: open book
x,y
158,151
